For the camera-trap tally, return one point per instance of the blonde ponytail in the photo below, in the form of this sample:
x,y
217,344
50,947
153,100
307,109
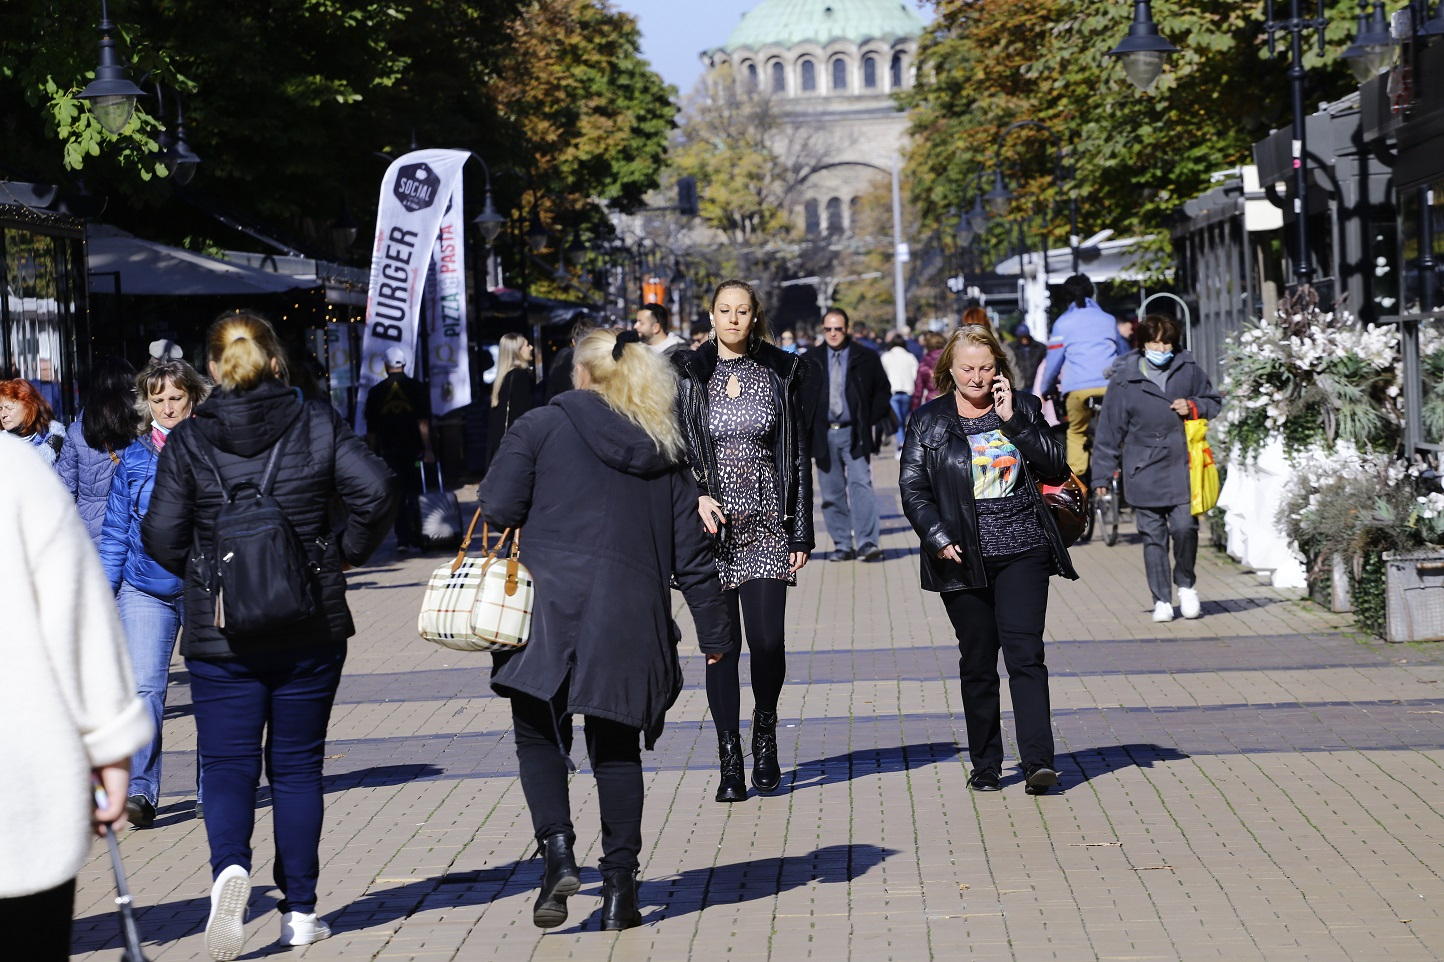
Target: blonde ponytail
x,y
637,383
245,351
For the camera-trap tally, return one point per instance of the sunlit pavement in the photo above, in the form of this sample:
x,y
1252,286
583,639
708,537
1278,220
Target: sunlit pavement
x,y
1257,784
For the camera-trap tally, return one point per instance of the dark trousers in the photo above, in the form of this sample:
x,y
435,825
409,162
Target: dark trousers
x,y
1157,525
760,605
408,534
37,927
1007,615
272,707
543,734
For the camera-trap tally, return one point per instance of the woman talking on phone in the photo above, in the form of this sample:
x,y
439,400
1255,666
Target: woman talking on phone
x,y
741,416
970,465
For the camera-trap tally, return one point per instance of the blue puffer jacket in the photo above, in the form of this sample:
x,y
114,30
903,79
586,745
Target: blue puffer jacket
x,y
86,473
120,546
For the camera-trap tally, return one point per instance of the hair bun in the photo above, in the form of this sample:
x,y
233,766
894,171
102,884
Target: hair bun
x,y
623,339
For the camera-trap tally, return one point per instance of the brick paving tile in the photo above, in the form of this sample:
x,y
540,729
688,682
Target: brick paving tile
x,y
1261,783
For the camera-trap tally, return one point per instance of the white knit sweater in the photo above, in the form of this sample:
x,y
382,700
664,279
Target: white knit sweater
x,y
70,702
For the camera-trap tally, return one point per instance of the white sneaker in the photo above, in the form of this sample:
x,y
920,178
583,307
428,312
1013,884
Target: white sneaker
x,y
1188,604
1162,611
225,929
298,928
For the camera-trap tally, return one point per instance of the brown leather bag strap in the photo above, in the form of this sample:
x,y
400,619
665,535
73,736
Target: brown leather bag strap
x,y
466,541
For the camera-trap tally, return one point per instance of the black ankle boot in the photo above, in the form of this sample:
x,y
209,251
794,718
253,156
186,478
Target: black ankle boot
x,y
766,774
619,901
560,879
729,749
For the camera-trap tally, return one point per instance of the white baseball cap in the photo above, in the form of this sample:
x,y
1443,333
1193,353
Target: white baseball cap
x,y
395,356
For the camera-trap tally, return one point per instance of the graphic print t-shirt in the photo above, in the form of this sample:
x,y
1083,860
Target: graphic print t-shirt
x,y
1007,520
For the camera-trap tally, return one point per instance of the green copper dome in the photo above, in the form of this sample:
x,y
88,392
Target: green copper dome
x,y
789,22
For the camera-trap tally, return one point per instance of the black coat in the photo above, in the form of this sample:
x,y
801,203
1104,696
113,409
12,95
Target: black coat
x,y
936,482
518,387
868,394
788,375
606,523
1138,429
322,458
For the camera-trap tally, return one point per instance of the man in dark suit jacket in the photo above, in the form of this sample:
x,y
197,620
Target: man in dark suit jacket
x,y
846,396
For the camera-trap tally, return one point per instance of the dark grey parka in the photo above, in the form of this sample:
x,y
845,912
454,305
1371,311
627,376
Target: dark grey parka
x,y
606,523
1138,429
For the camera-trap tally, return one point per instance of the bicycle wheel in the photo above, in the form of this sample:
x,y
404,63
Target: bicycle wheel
x,y
1112,509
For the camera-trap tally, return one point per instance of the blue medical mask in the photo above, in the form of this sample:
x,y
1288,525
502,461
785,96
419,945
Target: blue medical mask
x,y
1158,358
165,431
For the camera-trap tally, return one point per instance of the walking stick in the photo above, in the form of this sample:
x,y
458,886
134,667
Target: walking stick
x,y
130,934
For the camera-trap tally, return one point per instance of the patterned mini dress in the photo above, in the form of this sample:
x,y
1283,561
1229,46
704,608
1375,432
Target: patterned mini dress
x,y
744,434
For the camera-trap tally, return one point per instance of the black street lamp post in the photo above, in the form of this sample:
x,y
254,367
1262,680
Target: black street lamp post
x,y
111,94
1144,44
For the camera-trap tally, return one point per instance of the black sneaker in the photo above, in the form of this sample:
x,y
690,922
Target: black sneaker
x,y
984,780
1039,779
139,811
841,554
870,552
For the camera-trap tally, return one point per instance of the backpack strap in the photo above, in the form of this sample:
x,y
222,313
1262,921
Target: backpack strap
x,y
268,476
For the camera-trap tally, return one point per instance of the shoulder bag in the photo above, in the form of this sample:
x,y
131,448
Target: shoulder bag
x,y
479,604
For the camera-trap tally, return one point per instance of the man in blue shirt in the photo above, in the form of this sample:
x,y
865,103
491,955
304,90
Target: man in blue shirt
x,y
1084,342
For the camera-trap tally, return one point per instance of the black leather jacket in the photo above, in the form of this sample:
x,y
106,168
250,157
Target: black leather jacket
x,y
936,481
794,471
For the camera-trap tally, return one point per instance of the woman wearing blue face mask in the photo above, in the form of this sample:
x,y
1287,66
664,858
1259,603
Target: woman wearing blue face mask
x,y
1152,392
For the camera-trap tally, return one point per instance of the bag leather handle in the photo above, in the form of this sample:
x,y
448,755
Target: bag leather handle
x,y
466,541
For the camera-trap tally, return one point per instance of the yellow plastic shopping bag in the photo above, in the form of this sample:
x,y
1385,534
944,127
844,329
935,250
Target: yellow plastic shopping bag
x,y
1202,472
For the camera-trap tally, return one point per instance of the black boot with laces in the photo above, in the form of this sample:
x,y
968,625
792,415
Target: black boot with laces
x,y
729,749
766,773
560,879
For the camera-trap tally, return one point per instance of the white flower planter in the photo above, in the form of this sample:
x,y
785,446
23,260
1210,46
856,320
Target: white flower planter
x,y
1414,596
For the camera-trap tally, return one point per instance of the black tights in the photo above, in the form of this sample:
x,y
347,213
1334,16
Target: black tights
x,y
543,731
763,606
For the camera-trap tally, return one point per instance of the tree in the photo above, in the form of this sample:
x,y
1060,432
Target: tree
x,y
988,63
287,101
751,160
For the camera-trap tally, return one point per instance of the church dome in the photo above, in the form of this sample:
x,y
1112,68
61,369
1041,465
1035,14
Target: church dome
x,y
790,22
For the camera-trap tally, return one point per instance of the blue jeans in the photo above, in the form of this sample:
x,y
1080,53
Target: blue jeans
x,y
151,625
272,707
848,505
900,404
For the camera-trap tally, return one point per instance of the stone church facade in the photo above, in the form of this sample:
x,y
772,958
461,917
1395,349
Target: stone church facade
x,y
834,65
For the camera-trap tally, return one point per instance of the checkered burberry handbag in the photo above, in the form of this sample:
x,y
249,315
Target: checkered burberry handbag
x,y
479,604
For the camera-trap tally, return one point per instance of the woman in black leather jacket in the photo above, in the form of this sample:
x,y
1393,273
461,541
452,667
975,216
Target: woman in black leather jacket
x,y
741,416
970,466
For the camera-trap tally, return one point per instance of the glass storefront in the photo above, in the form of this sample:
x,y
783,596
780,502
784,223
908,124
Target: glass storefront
x,y
43,328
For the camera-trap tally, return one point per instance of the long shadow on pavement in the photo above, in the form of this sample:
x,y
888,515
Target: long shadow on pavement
x,y
669,897
867,761
1075,768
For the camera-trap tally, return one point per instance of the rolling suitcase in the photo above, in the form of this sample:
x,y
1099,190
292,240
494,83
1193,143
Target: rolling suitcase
x,y
439,514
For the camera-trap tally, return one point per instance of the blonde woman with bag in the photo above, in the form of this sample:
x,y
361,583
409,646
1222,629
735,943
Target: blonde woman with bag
x,y
609,519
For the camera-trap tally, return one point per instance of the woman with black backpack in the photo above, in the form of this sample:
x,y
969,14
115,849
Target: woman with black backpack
x,y
254,473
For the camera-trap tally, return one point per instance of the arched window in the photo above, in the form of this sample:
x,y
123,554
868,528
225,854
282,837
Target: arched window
x,y
869,73
752,76
897,73
839,74
809,76
834,216
779,78
811,219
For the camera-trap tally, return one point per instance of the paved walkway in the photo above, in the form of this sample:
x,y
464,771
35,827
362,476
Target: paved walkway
x,y
1258,784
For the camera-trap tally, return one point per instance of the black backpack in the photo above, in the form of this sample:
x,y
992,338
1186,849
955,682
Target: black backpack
x,y
261,577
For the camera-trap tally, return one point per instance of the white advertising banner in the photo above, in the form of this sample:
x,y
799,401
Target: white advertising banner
x,y
414,198
448,365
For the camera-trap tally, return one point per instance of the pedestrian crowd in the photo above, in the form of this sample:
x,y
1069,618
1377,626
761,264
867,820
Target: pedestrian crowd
x,y
224,508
